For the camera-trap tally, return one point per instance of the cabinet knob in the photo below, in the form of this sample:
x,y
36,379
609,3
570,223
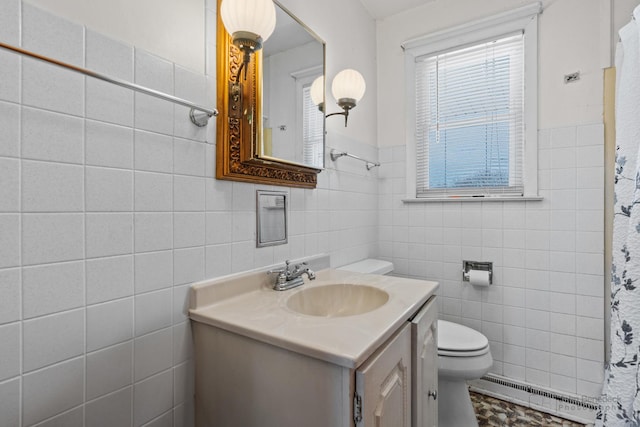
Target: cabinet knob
x,y
433,394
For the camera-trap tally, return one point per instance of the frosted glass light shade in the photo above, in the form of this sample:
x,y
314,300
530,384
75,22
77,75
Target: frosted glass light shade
x,y
317,90
348,84
253,16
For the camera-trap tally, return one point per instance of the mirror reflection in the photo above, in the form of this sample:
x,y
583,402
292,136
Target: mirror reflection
x,y
271,214
293,126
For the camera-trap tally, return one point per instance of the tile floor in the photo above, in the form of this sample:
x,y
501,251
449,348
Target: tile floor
x,y
495,412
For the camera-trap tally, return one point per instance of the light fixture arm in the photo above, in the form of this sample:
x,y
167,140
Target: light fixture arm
x,y
344,113
248,43
346,104
347,87
246,58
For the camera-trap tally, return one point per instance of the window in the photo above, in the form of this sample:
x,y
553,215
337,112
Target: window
x,y
473,124
312,130
310,120
469,112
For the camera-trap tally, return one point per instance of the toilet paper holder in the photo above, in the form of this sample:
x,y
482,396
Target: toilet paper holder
x,y
467,266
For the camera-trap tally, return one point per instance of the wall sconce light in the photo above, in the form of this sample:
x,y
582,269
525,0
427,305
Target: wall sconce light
x,y
348,88
250,23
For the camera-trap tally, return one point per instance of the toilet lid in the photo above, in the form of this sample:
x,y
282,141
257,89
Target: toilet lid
x,y
455,337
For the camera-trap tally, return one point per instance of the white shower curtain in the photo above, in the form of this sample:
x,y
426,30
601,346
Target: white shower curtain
x,y
620,404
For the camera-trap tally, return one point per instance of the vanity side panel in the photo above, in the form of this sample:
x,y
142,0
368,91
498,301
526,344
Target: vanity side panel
x,y
243,382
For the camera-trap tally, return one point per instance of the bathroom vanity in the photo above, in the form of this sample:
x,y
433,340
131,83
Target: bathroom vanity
x,y
345,349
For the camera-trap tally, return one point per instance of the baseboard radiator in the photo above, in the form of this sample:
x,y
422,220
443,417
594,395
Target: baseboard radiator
x,y
586,403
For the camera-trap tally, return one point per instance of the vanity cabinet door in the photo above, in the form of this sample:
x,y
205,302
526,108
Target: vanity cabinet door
x,y
383,385
424,352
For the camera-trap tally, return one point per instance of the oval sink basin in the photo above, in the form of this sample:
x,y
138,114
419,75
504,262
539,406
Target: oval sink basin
x,y
338,300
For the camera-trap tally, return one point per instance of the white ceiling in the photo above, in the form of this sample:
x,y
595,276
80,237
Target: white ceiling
x,y
383,8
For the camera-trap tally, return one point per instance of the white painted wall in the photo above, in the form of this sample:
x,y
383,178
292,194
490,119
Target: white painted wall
x,y
573,36
350,35
172,29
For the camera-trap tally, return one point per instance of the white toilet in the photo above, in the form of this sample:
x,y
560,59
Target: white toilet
x,y
463,355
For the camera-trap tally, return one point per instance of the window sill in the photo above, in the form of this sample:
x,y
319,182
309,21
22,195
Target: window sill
x,y
473,199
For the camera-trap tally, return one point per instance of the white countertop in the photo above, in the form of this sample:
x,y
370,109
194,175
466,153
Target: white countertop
x,y
245,304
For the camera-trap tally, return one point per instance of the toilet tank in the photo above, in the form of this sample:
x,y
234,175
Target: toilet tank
x,y
369,266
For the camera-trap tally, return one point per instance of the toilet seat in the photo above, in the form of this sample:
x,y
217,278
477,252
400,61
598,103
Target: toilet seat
x,y
463,353
456,340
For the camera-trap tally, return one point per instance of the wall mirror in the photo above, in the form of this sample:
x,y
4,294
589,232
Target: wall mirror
x,y
269,131
271,218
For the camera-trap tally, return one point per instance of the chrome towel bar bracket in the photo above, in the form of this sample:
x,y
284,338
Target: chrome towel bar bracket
x,y
337,154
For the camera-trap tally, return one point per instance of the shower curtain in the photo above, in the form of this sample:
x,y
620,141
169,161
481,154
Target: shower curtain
x,y
620,402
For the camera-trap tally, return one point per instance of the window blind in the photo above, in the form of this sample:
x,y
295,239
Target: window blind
x,y
312,130
470,120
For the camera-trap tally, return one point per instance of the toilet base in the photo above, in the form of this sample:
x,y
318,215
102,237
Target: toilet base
x,y
454,404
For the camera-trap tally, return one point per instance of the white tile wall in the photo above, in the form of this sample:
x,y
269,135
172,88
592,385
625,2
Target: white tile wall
x,y
52,288
52,187
109,370
109,323
10,351
108,145
153,354
110,410
65,378
153,271
50,35
51,237
109,278
51,88
108,234
152,396
10,122
108,190
544,313
10,287
51,339
153,192
153,152
71,418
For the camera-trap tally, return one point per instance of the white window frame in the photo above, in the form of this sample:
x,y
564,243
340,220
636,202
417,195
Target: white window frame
x,y
523,19
304,78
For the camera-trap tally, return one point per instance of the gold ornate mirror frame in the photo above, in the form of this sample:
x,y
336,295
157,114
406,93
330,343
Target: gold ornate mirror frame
x,y
239,124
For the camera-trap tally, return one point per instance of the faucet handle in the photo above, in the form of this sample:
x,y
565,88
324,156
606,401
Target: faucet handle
x,y
298,266
282,271
282,275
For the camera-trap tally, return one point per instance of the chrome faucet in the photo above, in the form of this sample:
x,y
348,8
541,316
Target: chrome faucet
x,y
289,278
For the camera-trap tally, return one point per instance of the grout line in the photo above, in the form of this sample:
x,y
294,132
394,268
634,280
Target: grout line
x,y
21,408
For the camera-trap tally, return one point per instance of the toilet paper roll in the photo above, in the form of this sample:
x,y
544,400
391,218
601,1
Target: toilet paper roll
x,y
479,277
